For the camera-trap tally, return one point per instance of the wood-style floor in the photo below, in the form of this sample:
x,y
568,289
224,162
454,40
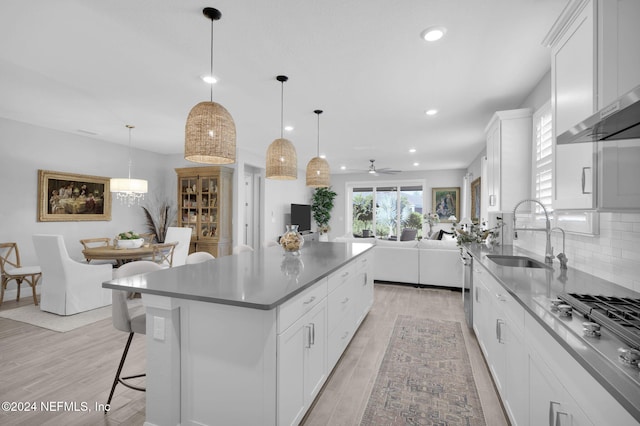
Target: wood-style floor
x,y
39,365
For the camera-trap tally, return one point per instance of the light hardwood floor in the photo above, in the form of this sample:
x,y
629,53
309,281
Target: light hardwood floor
x,y
39,365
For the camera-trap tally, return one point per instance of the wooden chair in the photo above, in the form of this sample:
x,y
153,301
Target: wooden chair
x,y
97,242
163,254
12,270
148,237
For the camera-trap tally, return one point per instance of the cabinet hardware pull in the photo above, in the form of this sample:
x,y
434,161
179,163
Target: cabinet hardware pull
x,y
345,274
366,279
499,324
308,327
313,334
344,336
584,179
346,299
558,418
310,300
500,297
551,416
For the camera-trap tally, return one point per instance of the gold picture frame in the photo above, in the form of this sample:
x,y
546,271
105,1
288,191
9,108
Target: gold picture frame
x,y
446,203
67,197
476,197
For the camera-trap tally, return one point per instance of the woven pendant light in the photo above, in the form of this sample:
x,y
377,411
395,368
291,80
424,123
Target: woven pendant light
x,y
318,174
210,132
282,160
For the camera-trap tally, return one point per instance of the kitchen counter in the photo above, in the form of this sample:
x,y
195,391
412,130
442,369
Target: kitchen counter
x,y
263,279
246,339
534,288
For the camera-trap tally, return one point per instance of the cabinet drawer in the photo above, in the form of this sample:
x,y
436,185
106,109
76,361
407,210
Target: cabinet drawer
x,y
364,262
338,341
341,276
299,305
508,305
341,304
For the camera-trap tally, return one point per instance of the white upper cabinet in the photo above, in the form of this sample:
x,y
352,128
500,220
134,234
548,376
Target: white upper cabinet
x,y
573,85
594,60
508,159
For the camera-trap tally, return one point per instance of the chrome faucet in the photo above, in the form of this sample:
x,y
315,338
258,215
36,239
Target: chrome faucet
x,y
562,257
548,254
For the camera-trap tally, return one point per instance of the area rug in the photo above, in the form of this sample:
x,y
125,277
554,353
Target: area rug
x,y
425,378
32,314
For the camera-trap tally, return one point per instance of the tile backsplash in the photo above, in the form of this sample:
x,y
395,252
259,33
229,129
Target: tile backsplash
x,y
614,255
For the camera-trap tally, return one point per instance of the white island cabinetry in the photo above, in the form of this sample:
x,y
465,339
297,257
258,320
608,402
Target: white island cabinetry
x,y
251,338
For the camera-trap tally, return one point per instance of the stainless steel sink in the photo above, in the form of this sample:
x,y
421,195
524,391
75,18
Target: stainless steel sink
x,y
516,261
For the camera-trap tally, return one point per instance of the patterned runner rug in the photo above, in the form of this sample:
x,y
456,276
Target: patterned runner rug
x,y
425,378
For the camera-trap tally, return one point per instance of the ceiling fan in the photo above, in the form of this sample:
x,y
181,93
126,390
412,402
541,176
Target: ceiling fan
x,y
387,171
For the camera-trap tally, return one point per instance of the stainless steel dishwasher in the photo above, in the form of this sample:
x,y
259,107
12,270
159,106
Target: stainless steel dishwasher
x,y
467,286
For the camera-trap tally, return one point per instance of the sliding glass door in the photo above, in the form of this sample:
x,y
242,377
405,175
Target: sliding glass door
x,y
384,211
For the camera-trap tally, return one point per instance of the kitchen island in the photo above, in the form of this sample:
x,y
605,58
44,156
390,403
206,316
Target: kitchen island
x,y
545,368
249,338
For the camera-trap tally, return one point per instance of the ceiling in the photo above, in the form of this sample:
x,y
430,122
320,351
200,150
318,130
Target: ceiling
x,y
89,67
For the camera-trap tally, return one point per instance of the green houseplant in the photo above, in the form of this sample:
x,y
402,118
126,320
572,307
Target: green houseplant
x,y
321,206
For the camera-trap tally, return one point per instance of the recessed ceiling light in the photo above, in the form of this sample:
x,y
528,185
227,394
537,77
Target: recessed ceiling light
x,y
431,112
209,79
343,167
416,164
412,150
288,128
433,33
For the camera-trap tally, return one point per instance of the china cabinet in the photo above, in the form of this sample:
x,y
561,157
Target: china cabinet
x,y
204,205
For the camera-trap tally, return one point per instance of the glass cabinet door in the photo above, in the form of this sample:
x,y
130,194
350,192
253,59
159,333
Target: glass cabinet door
x,y
189,202
208,226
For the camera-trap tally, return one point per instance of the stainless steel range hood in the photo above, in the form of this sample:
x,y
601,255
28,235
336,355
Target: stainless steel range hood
x,y
619,120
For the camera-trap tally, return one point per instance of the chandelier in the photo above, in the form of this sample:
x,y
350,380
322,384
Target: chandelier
x,y
129,191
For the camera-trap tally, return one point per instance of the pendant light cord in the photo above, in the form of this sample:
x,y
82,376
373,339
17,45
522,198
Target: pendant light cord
x,y
282,110
318,134
129,126
211,64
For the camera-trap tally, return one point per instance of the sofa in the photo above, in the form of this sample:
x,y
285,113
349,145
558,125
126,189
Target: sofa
x,y
424,262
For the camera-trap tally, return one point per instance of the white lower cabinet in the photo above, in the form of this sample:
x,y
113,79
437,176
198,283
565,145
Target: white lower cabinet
x,y
500,322
302,364
549,402
314,329
539,382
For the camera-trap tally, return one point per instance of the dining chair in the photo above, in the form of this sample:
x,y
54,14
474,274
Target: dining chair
x,y
241,248
123,321
68,286
148,237
199,257
163,254
12,270
183,237
96,242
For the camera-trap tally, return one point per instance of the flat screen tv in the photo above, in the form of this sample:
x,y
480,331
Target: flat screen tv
x,y
301,216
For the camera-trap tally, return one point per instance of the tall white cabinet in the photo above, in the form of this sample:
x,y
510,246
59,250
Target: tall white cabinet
x,y
508,159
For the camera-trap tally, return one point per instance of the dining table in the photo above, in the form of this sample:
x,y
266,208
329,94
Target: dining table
x,y
120,255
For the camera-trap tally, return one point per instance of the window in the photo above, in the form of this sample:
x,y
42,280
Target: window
x,y
385,210
543,157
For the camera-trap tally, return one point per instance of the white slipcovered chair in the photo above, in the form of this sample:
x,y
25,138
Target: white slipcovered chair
x,y
183,237
199,257
123,321
68,286
241,248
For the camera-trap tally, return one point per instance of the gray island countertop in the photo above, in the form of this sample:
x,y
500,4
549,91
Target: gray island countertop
x,y
533,288
262,279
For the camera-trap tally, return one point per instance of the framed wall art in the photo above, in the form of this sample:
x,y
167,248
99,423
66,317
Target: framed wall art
x,y
66,197
446,203
475,201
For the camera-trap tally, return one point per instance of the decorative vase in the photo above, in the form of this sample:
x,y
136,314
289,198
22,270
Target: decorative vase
x,y
292,240
128,244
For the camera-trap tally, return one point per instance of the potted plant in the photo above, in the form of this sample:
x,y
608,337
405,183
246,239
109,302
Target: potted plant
x,y
321,206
